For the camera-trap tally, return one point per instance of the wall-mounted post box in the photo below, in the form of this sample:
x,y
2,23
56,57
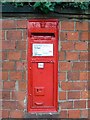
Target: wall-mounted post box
x,y
42,65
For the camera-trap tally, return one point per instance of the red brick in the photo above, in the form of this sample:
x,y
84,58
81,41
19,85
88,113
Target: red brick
x,y
88,92
73,86
0,66
84,94
14,55
88,103
25,75
74,114
83,75
65,66
89,86
63,36
67,25
88,46
0,75
63,114
0,46
21,66
0,55
62,76
21,45
9,85
88,66
62,96
67,46
1,105
81,46
2,34
0,49
84,114
80,104
88,73
79,66
73,95
8,65
14,35
72,55
20,105
4,75
1,85
9,105
82,26
73,75
66,105
5,113
4,55
22,86
18,95
72,35
21,24
16,114
25,35
84,35
5,95
84,55
16,75
61,55
8,45
0,113
8,24
0,94
23,55
89,113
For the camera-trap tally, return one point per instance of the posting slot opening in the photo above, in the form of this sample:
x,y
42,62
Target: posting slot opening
x,y
42,35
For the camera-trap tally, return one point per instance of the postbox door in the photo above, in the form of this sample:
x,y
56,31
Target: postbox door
x,y
42,81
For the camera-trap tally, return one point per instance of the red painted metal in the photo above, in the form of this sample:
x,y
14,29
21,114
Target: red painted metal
x,y
42,65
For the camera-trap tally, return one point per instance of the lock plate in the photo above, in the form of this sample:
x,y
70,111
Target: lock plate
x,y
40,65
39,90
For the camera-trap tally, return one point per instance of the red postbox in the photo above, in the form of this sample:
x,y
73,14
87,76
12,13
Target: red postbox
x,y
42,65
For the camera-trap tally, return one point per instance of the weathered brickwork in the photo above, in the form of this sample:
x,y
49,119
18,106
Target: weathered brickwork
x,y
72,68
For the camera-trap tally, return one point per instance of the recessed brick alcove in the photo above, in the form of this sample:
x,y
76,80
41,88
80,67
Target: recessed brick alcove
x,y
72,68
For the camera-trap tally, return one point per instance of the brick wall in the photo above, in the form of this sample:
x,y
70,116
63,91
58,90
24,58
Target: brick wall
x,y
72,72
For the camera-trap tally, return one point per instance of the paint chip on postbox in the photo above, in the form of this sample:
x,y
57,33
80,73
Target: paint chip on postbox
x,y
40,65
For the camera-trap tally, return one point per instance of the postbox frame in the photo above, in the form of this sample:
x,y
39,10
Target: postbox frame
x,y
45,59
